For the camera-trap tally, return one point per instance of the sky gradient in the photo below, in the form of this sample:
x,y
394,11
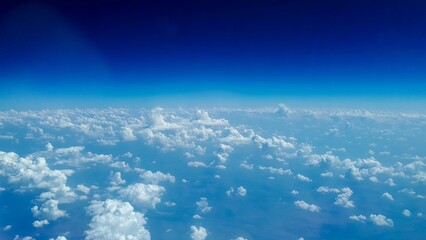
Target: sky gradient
x,y
251,48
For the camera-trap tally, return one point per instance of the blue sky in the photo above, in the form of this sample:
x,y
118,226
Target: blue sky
x,y
261,49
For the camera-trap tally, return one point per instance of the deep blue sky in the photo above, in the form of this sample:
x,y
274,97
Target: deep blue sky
x,y
265,47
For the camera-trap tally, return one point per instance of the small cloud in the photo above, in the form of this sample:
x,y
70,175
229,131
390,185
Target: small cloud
x,y
39,224
294,192
7,227
203,205
241,191
327,174
359,218
196,164
305,206
381,220
343,198
390,182
198,233
302,178
406,213
387,196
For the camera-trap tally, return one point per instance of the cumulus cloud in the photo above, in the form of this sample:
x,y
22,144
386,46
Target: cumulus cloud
x,y
49,210
327,174
278,171
28,173
114,219
7,227
406,213
59,238
198,233
302,178
342,199
390,182
39,224
241,191
203,205
144,195
83,189
381,220
127,134
157,177
325,189
196,164
359,218
305,206
116,179
387,196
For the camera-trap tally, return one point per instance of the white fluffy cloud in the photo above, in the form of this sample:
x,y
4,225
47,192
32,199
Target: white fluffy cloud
x,y
49,210
406,213
144,195
241,191
127,134
325,189
156,177
116,220
305,206
40,223
359,218
343,198
387,196
302,178
203,205
196,164
198,233
381,220
29,172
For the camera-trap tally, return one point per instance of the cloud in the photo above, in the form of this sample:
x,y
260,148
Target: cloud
x,y
198,233
381,220
305,206
156,177
359,218
278,171
241,191
196,164
387,196
39,224
49,210
83,189
116,179
144,195
390,182
116,220
343,198
302,178
406,213
327,174
59,238
33,172
203,205
325,189
127,134
7,227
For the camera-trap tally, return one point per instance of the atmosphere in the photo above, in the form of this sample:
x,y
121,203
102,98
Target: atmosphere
x,y
256,48
212,119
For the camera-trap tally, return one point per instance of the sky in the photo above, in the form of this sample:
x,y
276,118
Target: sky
x,y
254,49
